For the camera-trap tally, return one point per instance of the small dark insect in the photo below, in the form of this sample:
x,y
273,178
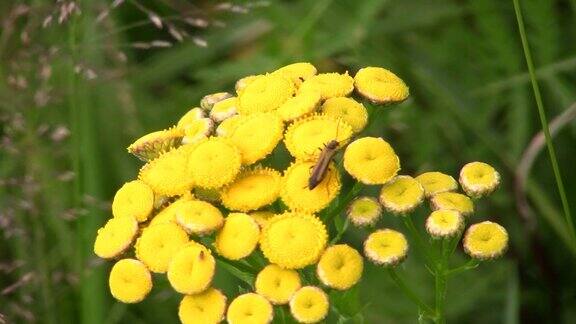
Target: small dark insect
x,y
321,168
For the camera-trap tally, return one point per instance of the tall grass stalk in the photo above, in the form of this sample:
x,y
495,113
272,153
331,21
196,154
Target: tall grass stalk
x,y
543,119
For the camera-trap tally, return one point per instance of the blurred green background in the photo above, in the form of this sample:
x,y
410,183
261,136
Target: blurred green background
x,y
80,80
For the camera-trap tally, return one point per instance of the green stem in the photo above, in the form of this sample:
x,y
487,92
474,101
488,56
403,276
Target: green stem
x,y
419,240
410,293
543,120
441,283
471,264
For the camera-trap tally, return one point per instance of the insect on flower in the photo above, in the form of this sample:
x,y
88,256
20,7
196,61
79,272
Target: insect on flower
x,y
322,166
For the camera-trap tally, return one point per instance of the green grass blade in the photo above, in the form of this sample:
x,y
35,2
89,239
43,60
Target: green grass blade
x,y
543,120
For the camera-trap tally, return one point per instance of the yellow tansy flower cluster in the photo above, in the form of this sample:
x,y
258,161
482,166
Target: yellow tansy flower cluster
x,y
255,177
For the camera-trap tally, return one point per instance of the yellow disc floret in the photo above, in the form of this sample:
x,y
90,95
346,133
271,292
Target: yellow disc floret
x,y
402,194
297,72
227,127
199,217
214,163
158,244
152,145
115,237
134,199
191,269
444,223
299,106
224,109
265,94
207,307
209,101
192,115
436,182
277,284
168,214
329,85
371,160
380,85
350,110
486,240
252,190
168,174
453,201
309,305
340,267
364,211
257,135
306,138
295,192
129,281
244,82
250,308
238,237
197,130
386,247
479,179
293,240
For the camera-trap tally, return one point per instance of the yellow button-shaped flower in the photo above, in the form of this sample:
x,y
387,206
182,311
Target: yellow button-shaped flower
x,y
265,94
130,281
402,194
227,127
380,85
150,146
256,136
436,182
250,308
479,179
192,115
305,139
207,307
209,101
329,85
340,267
245,81
386,247
295,191
299,106
199,217
293,240
297,72
277,284
252,190
191,269
214,163
169,174
115,237
134,199
309,305
158,244
486,240
454,201
364,211
238,237
224,109
197,130
444,223
371,160
168,214
350,110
